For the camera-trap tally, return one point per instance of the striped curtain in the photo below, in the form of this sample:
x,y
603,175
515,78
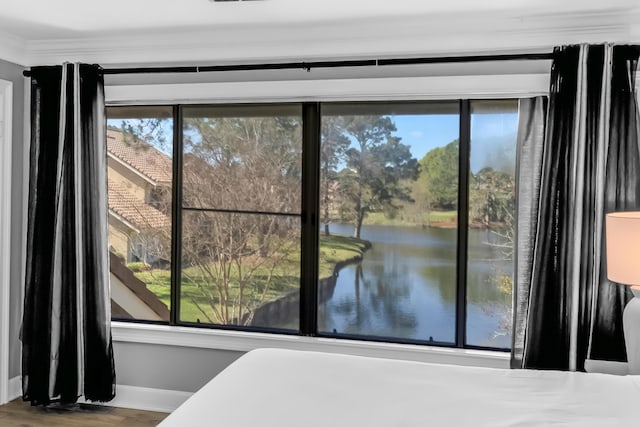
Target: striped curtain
x,y
584,163
66,335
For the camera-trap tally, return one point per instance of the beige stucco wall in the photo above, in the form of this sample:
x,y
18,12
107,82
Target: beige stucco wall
x,y
138,186
118,237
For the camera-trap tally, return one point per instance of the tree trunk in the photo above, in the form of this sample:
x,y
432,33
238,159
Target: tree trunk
x,y
326,229
359,219
359,276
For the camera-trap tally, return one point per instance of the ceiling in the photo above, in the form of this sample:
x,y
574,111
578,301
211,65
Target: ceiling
x,y
46,19
160,31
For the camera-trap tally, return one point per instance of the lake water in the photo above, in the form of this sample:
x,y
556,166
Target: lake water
x,y
405,287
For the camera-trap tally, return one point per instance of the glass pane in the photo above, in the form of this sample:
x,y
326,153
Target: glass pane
x,y
139,175
494,126
240,269
388,206
243,158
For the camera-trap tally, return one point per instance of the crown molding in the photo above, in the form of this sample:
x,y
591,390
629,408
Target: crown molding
x,y
436,34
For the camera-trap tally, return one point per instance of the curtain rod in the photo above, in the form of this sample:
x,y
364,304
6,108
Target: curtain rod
x,y
325,64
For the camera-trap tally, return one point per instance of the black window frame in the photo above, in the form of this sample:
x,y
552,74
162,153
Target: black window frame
x,y
309,216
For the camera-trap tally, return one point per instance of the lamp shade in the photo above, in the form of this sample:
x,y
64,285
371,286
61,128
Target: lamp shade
x,y
623,247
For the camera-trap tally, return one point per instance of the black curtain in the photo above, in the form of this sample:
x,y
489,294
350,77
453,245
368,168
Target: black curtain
x,y
589,165
66,335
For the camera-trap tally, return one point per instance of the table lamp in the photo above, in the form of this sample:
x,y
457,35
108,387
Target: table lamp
x,y
623,266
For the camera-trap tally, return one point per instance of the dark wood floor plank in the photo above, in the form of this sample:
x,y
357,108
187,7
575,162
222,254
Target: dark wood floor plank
x,y
21,414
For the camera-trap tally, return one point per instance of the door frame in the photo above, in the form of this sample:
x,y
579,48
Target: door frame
x,y
6,104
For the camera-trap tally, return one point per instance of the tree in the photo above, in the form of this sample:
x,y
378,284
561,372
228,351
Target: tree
x,y
440,169
417,212
492,197
333,145
377,164
150,131
235,166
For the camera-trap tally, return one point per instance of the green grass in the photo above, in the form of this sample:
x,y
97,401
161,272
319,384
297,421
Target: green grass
x,y
335,249
443,216
379,218
197,294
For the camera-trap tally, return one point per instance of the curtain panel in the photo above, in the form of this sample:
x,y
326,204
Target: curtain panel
x,y
532,114
66,336
586,164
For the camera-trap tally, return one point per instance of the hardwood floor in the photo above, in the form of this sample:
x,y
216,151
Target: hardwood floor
x,y
22,414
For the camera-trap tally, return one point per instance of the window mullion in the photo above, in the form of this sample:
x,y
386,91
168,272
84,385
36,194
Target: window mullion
x,y
310,205
463,220
176,217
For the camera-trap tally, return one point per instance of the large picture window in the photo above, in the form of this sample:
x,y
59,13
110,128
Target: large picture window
x,y
389,221
241,205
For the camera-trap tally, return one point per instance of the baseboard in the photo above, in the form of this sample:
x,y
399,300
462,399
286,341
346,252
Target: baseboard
x,y
15,388
148,399
127,396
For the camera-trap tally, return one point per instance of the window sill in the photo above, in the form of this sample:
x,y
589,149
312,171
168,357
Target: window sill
x,y
245,341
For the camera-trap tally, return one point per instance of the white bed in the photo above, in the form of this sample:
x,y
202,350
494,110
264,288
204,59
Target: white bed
x,y
284,388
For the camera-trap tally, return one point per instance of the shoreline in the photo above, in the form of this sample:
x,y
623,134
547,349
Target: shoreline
x,y
441,224
281,308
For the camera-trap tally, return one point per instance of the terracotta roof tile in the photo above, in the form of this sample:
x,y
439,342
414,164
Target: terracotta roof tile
x,y
141,156
141,215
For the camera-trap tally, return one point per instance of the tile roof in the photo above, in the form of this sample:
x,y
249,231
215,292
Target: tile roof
x,y
147,160
141,215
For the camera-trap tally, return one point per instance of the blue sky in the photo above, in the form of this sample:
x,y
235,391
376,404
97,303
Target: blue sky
x,y
426,132
492,136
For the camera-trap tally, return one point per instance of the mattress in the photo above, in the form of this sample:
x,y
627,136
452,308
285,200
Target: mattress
x,y
270,387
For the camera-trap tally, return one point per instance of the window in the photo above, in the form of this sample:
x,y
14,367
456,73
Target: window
x,y
490,262
380,221
140,177
241,206
389,176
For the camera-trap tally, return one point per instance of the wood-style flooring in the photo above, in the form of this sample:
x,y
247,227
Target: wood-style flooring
x,y
22,414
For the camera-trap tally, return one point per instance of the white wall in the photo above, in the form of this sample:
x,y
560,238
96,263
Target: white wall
x,y
168,367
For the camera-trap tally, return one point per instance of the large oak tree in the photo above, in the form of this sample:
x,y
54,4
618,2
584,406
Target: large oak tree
x,y
377,166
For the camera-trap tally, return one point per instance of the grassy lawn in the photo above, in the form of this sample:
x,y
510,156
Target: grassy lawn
x,y
443,216
196,293
335,249
378,218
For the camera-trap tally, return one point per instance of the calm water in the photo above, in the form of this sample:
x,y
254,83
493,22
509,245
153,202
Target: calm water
x,y
405,287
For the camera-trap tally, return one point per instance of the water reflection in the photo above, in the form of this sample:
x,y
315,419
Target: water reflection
x,y
405,287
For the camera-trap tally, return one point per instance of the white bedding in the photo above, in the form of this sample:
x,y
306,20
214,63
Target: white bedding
x,y
285,388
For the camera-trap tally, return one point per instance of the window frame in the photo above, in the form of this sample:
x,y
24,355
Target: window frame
x,y
310,93
179,207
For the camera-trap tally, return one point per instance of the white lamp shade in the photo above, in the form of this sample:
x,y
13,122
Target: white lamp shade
x,y
623,247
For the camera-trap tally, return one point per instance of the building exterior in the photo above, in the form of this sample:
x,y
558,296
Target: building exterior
x,y
139,178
